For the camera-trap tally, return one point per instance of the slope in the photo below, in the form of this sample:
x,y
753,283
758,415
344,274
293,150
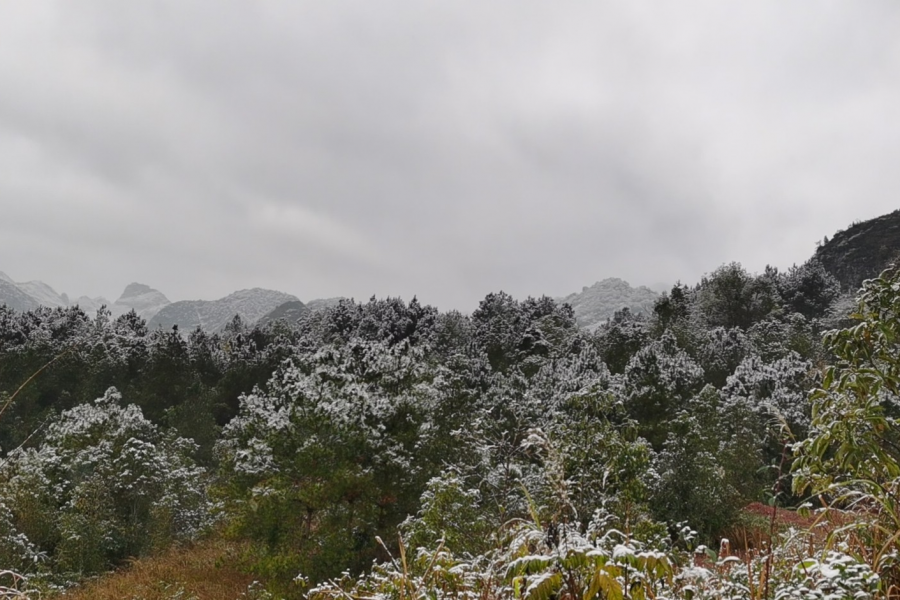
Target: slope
x,y
862,250
213,315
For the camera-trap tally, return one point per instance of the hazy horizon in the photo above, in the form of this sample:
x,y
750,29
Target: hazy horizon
x,y
442,150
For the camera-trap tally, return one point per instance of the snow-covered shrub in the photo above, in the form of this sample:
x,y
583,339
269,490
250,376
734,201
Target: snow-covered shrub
x,y
451,513
16,550
659,379
12,585
427,574
835,576
535,560
691,485
530,561
104,484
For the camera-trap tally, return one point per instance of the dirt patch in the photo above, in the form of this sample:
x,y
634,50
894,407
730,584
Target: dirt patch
x,y
784,518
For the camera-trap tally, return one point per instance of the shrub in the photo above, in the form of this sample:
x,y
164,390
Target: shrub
x,y
852,455
105,484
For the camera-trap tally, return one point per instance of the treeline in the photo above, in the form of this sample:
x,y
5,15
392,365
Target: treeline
x,y
317,438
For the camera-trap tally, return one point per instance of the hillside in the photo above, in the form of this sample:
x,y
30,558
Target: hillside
x,y
43,294
596,304
862,250
289,311
323,303
213,315
13,297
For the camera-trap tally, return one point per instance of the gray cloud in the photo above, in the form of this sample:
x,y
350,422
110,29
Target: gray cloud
x,y
440,149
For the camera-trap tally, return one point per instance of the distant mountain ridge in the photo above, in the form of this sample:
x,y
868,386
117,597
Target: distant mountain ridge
x,y
213,315
253,306
323,303
596,304
29,295
852,255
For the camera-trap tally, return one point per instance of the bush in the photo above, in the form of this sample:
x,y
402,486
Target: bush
x,y
104,485
852,455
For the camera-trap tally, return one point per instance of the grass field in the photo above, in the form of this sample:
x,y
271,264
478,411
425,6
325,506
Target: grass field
x,y
210,570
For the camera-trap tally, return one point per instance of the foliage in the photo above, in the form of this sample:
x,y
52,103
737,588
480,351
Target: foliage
x,y
659,379
732,297
321,463
537,560
852,455
809,289
103,485
450,514
692,483
516,455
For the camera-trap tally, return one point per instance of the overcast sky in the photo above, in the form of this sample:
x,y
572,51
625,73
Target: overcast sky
x,y
443,149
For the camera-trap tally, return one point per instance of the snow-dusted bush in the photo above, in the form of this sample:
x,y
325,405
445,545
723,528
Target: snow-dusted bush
x,y
772,389
540,560
12,585
453,514
16,550
659,379
104,484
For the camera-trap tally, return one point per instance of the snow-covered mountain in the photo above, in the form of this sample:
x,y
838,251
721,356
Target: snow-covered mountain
x,y
43,294
29,295
289,311
323,303
13,297
596,304
213,315
143,299
153,305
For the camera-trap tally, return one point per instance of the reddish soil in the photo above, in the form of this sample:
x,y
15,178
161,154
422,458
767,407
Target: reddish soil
x,y
783,517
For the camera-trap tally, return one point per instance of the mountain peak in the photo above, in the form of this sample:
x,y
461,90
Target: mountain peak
x,y
141,298
594,305
609,282
136,289
5,277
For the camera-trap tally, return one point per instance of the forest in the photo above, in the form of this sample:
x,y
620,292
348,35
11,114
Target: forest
x,y
385,449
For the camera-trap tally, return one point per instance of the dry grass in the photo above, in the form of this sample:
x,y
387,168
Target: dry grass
x,y
210,570
754,526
